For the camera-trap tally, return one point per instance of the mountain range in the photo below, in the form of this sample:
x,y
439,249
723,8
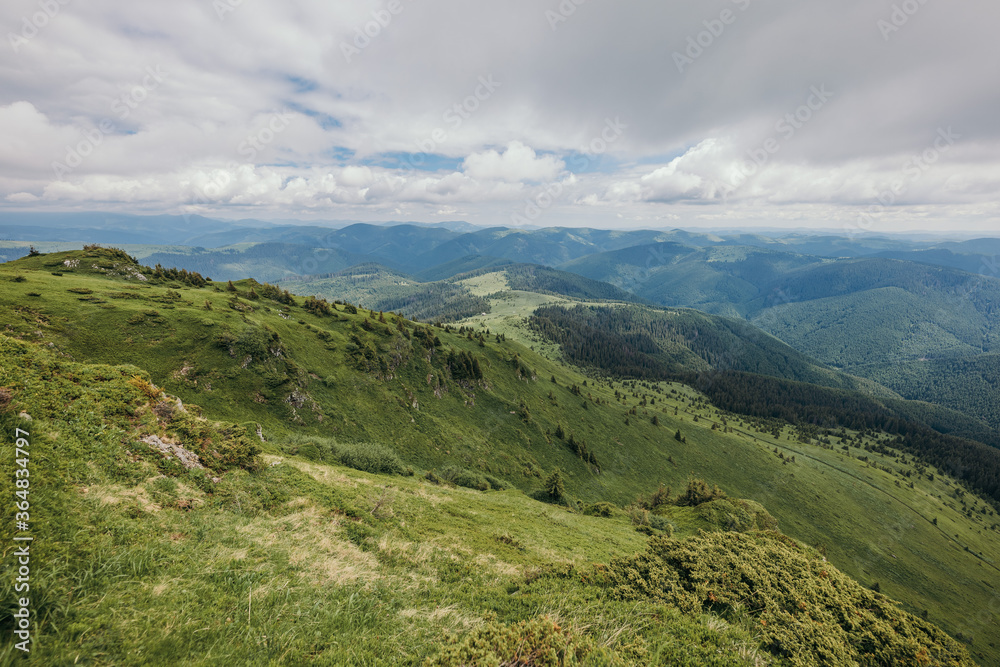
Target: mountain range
x,y
574,381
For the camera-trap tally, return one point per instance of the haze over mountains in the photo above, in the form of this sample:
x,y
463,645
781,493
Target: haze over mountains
x,y
918,316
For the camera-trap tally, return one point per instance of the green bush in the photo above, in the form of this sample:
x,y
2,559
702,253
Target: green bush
x,y
736,515
220,446
540,642
464,477
661,523
433,478
496,483
599,509
699,492
658,498
638,515
310,451
803,608
370,457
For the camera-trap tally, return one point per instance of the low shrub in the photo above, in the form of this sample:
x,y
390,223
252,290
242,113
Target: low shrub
x,y
661,523
810,611
463,477
736,515
370,457
497,483
150,390
699,492
599,509
638,515
510,540
539,642
220,446
433,478
310,451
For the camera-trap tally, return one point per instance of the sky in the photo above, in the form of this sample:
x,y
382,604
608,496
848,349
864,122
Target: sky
x,y
859,115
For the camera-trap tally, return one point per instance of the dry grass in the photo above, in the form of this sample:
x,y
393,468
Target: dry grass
x,y
314,542
321,473
496,565
114,494
487,283
448,618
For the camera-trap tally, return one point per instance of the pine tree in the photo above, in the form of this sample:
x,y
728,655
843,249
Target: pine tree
x,y
554,485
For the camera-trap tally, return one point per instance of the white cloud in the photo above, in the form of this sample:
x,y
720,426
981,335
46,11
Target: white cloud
x,y
517,163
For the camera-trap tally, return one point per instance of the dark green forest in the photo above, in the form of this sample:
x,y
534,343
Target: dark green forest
x,y
624,343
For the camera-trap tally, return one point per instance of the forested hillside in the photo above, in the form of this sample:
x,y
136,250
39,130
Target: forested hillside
x,y
742,379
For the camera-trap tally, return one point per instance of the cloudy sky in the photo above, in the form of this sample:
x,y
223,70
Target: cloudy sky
x,y
854,115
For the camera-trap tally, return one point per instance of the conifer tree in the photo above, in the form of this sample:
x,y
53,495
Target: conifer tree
x,y
554,485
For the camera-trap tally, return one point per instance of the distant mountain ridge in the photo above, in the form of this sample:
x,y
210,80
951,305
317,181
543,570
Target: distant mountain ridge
x,y
878,306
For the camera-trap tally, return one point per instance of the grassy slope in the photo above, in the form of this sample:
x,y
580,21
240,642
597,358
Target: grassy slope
x,y
299,562
873,529
379,288
450,299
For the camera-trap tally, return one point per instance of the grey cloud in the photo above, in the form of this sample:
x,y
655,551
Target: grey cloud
x,y
564,69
